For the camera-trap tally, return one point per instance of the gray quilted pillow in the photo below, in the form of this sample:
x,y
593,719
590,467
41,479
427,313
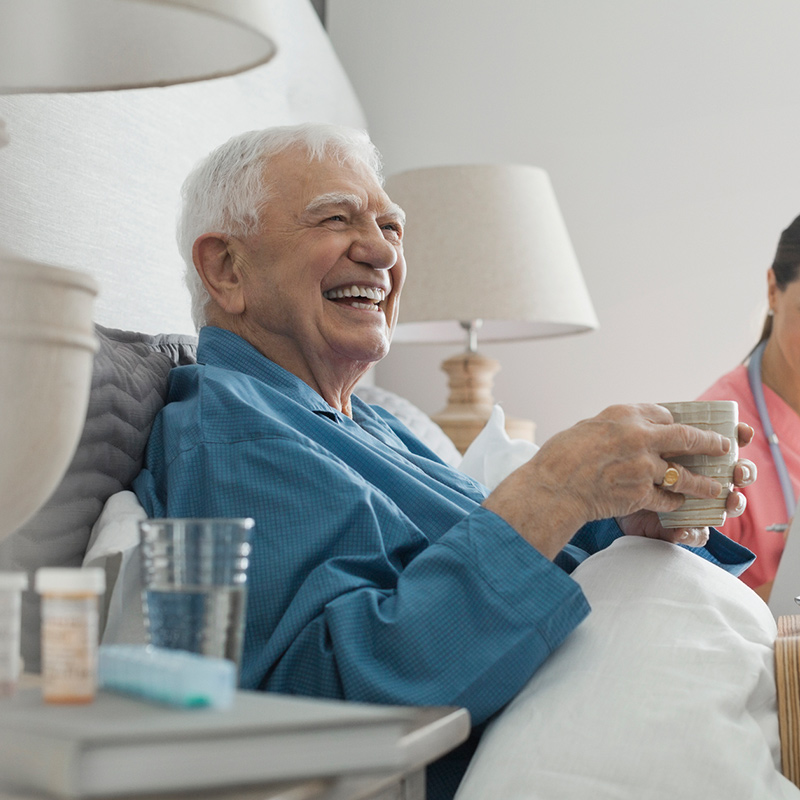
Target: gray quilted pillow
x,y
129,385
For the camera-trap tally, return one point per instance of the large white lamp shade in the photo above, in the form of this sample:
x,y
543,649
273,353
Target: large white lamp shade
x,y
92,45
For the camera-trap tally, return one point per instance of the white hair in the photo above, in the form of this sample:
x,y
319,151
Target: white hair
x,y
227,190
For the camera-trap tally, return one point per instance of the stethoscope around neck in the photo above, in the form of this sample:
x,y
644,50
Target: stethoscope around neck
x,y
757,388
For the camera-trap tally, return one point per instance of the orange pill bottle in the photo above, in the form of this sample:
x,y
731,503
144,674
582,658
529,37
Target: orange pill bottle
x,y
70,638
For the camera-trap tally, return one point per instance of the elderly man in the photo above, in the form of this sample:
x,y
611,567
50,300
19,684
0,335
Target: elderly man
x,y
378,573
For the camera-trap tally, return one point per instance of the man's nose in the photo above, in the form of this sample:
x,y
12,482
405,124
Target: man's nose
x,y
372,248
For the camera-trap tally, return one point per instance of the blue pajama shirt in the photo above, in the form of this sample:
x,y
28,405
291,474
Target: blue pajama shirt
x,y
375,573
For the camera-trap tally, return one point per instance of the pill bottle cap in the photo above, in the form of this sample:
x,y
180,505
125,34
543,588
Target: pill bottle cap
x,y
70,580
13,581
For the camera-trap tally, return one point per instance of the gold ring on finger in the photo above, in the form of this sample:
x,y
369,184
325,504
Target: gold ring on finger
x,y
670,477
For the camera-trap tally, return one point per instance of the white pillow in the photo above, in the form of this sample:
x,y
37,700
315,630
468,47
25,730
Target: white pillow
x,y
114,546
666,691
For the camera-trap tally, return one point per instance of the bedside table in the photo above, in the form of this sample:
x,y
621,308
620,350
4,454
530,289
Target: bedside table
x,y
436,731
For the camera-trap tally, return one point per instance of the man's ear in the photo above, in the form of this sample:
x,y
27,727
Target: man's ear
x,y
219,272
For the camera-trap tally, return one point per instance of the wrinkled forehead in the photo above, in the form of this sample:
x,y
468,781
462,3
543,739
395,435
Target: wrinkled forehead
x,y
298,162
313,183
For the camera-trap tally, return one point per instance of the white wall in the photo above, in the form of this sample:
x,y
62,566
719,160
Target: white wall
x,y
92,181
671,132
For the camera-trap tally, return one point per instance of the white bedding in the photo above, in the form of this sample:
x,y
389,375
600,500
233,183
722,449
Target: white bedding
x,y
666,691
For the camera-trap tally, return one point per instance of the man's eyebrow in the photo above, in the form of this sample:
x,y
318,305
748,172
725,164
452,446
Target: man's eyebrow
x,y
334,199
352,200
394,210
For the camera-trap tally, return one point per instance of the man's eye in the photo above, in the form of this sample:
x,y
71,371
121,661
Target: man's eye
x,y
392,226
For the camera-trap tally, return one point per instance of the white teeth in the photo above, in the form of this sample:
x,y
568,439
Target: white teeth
x,y
376,295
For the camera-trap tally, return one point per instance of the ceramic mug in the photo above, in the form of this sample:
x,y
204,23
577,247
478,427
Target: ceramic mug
x,y
721,416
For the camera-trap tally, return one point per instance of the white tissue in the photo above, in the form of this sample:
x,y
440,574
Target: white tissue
x,y
492,456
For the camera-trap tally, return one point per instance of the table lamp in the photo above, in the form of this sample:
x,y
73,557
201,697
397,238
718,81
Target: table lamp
x,y
47,341
488,255
100,45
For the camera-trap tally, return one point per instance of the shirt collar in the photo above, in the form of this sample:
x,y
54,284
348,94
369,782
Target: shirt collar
x,y
224,349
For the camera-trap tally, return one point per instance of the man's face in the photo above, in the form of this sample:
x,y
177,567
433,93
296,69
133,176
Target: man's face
x,y
322,277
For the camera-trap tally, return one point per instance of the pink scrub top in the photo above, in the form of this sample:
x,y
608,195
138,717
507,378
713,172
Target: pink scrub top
x,y
765,502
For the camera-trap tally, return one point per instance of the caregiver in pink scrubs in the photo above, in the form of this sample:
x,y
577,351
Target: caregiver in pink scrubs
x,y
767,389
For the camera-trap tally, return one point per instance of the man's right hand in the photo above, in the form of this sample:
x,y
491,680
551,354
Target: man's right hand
x,y
611,465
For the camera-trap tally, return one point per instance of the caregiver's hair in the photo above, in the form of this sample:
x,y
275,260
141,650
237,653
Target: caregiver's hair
x,y
786,266
226,191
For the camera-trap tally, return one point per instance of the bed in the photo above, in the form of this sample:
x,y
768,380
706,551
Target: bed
x,y
596,720
91,182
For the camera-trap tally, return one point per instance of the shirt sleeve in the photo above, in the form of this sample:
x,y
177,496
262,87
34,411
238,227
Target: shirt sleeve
x,y
596,536
348,598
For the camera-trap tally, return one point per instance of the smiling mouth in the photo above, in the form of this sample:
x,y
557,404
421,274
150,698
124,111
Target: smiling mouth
x,y
363,297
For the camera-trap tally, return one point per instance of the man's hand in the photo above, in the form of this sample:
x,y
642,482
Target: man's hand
x,y
646,523
611,465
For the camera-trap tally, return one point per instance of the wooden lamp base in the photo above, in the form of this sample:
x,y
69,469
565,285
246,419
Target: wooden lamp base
x,y
470,378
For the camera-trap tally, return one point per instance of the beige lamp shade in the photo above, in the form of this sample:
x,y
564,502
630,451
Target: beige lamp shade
x,y
92,45
487,251
487,242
